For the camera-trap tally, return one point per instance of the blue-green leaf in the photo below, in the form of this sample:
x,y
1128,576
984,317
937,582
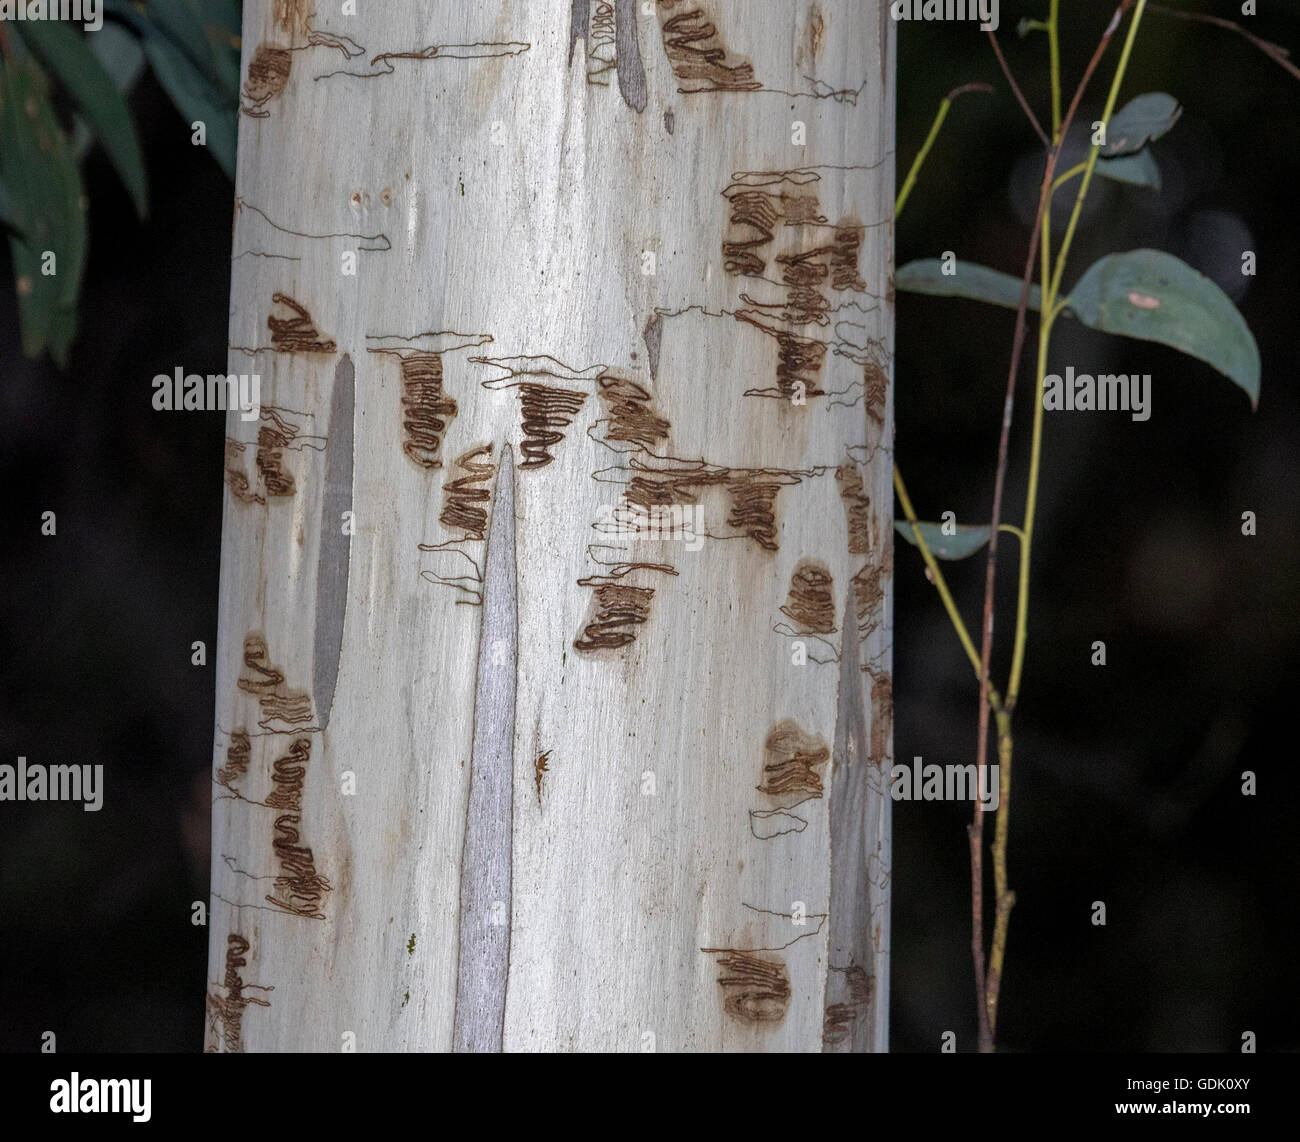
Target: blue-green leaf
x,y
65,54
967,540
1139,169
1154,296
969,280
1139,121
45,195
196,97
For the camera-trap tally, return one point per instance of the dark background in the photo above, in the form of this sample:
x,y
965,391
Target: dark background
x,y
1127,777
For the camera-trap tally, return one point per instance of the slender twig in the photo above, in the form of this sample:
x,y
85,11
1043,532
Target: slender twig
x,y
1005,899
1020,95
1276,52
935,127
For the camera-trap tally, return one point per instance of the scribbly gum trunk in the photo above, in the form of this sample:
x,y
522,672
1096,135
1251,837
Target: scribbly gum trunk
x,y
553,706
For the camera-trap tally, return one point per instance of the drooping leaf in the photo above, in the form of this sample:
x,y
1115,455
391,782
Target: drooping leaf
x,y
970,280
45,193
120,53
968,539
1140,120
1154,296
66,55
1138,169
196,97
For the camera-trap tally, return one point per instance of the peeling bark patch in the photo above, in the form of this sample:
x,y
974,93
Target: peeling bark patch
x,y
296,334
335,554
266,682
238,754
426,408
579,24
299,889
545,410
226,1012
755,989
631,418
268,73
483,963
653,333
539,770
841,1018
670,120
695,51
462,496
857,508
810,604
616,610
790,762
627,51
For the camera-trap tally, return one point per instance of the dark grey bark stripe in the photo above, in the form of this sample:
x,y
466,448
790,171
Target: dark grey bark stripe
x,y
627,50
335,546
483,967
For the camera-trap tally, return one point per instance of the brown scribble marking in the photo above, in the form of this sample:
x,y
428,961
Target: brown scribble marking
x,y
238,753
545,410
268,73
296,334
790,762
765,824
840,1018
616,607
266,682
299,889
539,768
694,50
755,989
271,442
463,496
236,478
228,1010
362,243
758,213
844,259
293,15
857,507
867,596
426,408
753,509
875,383
670,120
810,604
632,419
601,51
799,362
480,49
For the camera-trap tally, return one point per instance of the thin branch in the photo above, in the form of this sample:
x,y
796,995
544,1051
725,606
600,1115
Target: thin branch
x,y
1020,95
1276,52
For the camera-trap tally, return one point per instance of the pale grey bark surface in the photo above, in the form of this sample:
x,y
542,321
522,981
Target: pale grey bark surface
x,y
610,773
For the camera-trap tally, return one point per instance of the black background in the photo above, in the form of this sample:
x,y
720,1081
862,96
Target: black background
x,y
1127,778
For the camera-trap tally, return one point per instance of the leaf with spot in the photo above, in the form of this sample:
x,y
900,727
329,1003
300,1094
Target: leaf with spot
x,y
66,55
1154,296
971,280
1139,121
968,539
47,210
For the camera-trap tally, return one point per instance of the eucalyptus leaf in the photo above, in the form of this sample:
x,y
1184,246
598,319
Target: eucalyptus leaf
x,y
1138,169
967,540
196,97
47,204
65,54
1139,121
1154,296
969,280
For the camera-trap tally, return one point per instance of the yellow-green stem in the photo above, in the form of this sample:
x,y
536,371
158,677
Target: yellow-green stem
x,y
919,161
1054,47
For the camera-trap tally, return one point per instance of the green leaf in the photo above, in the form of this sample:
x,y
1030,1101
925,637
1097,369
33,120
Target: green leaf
x,y
65,54
1154,296
1139,121
1139,169
970,280
45,194
968,540
195,96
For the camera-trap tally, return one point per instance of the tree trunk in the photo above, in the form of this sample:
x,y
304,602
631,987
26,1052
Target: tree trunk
x,y
553,699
